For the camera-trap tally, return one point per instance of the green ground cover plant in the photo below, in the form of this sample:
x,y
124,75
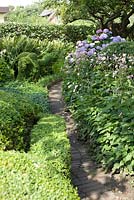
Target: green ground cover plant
x,y
43,172
99,90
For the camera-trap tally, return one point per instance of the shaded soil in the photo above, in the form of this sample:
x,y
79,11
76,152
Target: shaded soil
x,y
90,179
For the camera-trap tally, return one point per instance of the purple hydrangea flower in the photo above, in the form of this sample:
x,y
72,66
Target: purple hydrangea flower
x,y
106,30
116,39
91,52
110,32
103,36
82,49
94,37
100,41
99,31
98,48
87,45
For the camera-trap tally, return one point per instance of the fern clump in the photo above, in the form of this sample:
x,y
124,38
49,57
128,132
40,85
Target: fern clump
x,y
30,59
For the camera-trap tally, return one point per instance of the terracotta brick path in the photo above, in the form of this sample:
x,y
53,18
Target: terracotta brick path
x,y
92,182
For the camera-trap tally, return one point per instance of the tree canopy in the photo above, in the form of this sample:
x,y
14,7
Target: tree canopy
x,y
118,15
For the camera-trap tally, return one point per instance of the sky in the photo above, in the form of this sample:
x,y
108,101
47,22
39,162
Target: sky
x,y
16,2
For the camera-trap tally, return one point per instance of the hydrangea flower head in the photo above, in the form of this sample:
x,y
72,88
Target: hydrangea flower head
x,y
103,36
106,30
99,31
91,52
98,48
116,39
85,49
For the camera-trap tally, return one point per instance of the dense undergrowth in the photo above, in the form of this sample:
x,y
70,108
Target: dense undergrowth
x,y
99,89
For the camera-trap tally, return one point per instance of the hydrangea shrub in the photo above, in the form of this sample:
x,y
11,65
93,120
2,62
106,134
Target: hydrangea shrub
x,y
99,89
102,39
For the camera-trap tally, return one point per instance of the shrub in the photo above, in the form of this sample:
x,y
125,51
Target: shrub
x,y
36,92
5,72
16,119
73,33
27,66
123,48
43,173
28,101
85,49
31,59
70,33
12,127
100,92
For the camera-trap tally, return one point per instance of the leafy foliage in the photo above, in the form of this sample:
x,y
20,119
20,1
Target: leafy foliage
x,y
31,59
43,173
111,14
6,73
71,33
13,120
100,93
37,93
28,14
17,119
85,49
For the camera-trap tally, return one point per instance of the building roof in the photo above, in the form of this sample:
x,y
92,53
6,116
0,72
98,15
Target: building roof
x,y
46,13
4,9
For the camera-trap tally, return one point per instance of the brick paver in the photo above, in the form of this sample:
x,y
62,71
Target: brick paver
x,y
92,182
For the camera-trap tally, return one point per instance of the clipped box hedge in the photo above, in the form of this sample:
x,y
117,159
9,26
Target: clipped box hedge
x,y
71,33
42,173
20,105
16,116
